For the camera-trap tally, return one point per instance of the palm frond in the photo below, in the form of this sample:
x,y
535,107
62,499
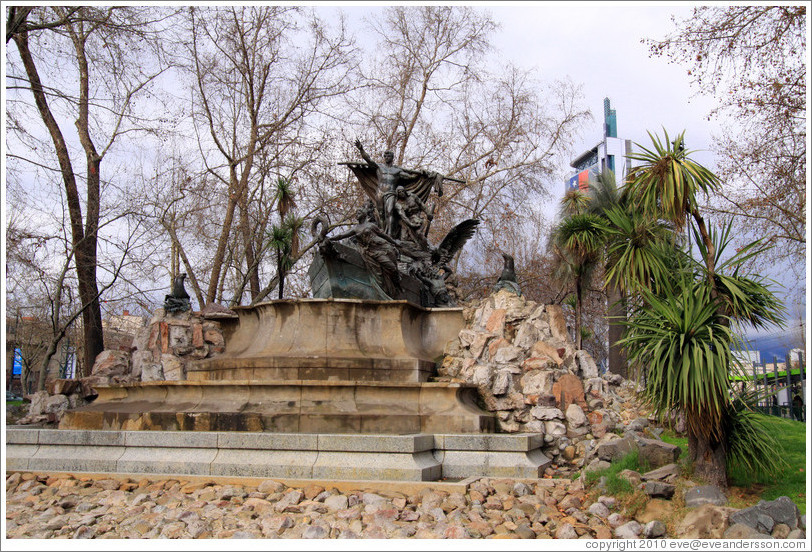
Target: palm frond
x,y
640,250
683,345
574,202
667,181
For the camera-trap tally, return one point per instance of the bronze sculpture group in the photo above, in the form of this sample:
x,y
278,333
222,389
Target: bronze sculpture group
x,y
391,234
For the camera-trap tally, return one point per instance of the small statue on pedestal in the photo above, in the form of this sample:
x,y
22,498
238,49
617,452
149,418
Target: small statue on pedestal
x,y
178,300
507,280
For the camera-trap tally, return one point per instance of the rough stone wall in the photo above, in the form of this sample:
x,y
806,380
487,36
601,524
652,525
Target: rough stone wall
x,y
165,346
531,376
160,351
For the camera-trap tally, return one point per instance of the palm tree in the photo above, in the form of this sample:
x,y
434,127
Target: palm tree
x,y
578,243
681,334
280,239
294,225
681,337
574,202
285,201
285,237
632,242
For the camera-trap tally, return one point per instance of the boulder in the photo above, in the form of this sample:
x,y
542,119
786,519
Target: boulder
x,y
659,489
506,354
568,390
658,453
152,372
501,383
656,508
546,351
37,405
782,510
600,422
536,382
742,531
764,515
173,368
616,449
667,473
56,404
482,375
638,424
586,365
214,311
633,477
704,494
180,339
555,429
629,530
557,322
575,416
654,529
110,363
566,531
599,509
706,522
597,465
546,413
140,359
63,386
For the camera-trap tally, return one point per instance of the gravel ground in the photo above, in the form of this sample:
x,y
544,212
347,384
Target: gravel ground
x,y
66,506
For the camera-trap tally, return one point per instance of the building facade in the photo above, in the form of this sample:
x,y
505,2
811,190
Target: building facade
x,y
610,153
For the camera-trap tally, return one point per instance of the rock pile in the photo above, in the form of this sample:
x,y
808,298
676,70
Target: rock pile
x,y
170,341
47,407
531,376
776,519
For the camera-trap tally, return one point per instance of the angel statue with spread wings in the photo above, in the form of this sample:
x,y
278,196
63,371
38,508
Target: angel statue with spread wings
x,y
381,180
387,255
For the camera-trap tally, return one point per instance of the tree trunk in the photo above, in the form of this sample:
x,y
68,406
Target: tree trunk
x,y
709,457
84,245
280,273
710,259
617,314
86,250
578,312
220,253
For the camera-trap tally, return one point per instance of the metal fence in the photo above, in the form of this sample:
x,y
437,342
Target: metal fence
x,y
781,384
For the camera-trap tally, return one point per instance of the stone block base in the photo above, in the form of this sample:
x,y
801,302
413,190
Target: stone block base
x,y
415,457
285,407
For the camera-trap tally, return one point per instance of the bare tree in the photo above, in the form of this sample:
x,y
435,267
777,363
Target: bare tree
x,y
754,60
254,93
103,46
41,286
432,97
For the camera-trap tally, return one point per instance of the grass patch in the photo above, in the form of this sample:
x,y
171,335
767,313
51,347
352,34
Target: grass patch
x,y
673,439
14,403
615,484
748,488
791,482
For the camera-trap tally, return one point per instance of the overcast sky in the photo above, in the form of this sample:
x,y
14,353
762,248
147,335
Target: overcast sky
x,y
599,46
